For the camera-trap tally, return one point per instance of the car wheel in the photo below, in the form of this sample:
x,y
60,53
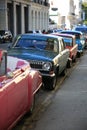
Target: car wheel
x,y
53,82
79,55
74,60
69,64
50,84
64,72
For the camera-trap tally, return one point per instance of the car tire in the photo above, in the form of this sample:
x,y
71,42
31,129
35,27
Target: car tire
x,y
69,64
53,82
50,84
79,55
64,72
74,60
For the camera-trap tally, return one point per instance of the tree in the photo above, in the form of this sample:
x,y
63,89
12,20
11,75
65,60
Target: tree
x,y
84,8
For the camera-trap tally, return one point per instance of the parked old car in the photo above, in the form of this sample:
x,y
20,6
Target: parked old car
x,y
18,86
46,53
79,39
83,29
5,36
70,44
31,31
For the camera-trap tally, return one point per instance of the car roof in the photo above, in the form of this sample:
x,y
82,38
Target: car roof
x,y
81,26
40,36
64,34
71,31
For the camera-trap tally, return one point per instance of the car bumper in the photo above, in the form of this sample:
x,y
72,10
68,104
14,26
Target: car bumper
x,y
80,51
48,75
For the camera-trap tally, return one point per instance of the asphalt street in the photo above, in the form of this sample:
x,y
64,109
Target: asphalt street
x,y
68,109
65,109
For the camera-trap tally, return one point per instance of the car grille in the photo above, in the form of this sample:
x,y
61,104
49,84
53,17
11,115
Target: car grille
x,y
36,64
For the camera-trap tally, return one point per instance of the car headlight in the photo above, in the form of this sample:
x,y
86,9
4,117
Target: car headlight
x,y
82,42
47,66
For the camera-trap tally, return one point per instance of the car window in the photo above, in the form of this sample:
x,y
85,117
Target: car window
x,y
52,45
78,36
62,45
23,43
46,44
30,43
38,43
68,41
49,46
56,46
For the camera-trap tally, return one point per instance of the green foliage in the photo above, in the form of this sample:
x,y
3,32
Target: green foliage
x,y
84,5
84,8
85,22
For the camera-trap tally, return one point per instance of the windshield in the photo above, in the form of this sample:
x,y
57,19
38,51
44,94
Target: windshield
x,y
78,36
48,44
68,41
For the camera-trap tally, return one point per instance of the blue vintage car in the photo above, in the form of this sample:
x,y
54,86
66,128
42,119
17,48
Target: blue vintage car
x,y
80,41
83,29
46,53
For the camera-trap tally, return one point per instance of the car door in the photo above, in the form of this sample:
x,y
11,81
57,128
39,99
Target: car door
x,y
64,55
17,94
61,57
3,109
58,57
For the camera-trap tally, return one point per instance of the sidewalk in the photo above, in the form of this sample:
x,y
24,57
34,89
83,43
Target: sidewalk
x,y
68,111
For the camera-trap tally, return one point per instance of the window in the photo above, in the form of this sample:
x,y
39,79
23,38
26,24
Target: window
x,y
52,45
62,45
68,41
56,46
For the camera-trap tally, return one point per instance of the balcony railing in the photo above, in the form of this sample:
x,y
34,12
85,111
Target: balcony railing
x,y
41,2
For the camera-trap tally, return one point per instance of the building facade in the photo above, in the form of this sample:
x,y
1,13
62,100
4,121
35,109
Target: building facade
x,y
84,0
68,13
20,16
78,11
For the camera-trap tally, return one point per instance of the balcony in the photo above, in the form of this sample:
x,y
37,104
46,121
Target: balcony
x,y
41,2
71,15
